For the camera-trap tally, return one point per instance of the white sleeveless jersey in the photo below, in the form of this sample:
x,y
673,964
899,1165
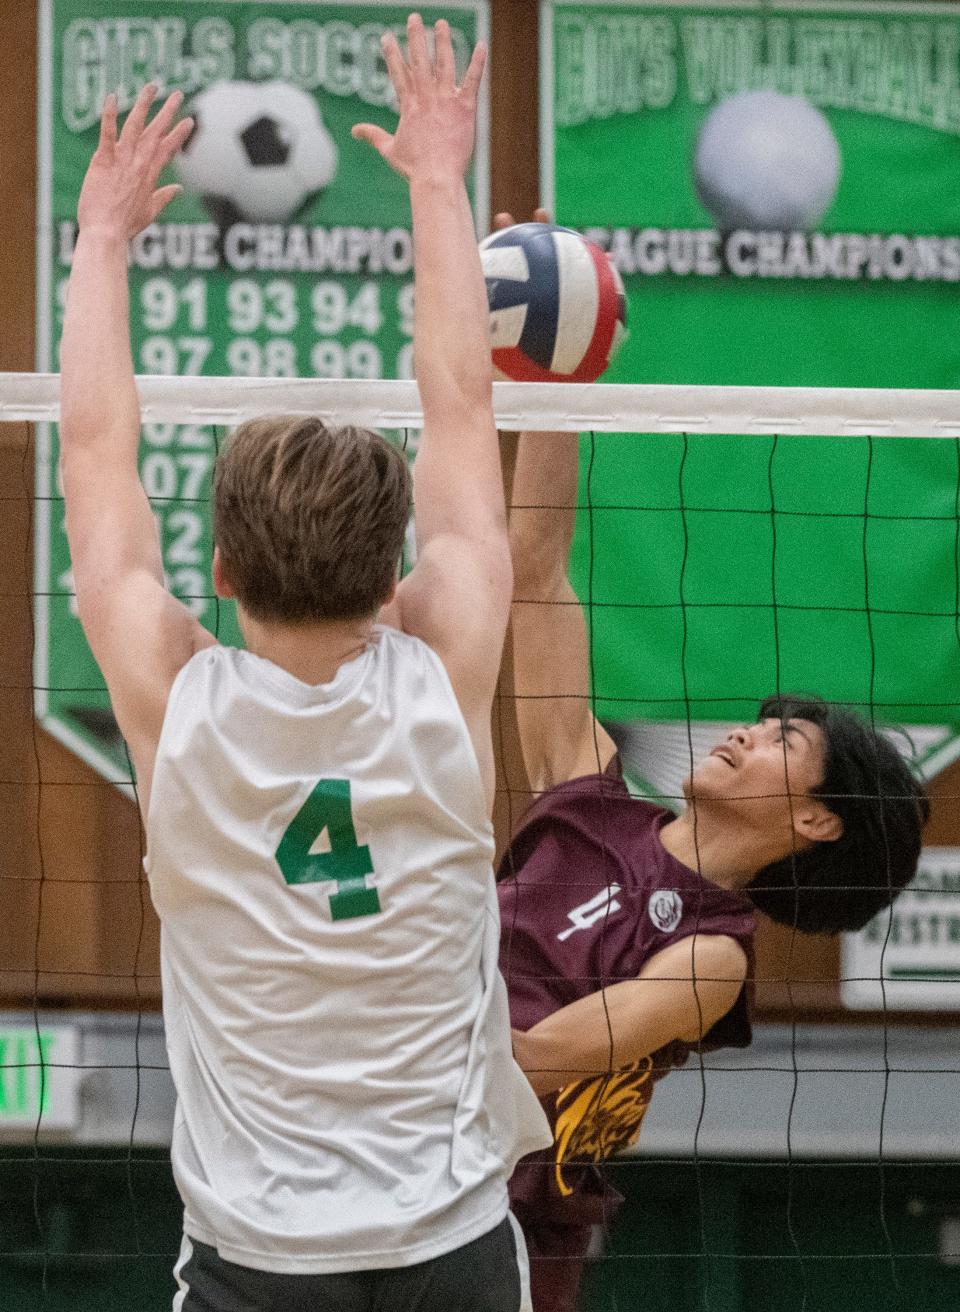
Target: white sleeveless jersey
x,y
320,859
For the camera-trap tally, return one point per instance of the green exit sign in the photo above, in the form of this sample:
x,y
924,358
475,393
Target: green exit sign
x,y
39,1077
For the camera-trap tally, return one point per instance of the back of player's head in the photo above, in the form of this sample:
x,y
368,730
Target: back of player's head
x,y
309,519
841,885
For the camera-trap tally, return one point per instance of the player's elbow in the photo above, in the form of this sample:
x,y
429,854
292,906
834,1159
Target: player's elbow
x,y
92,603
491,550
76,413
538,553
462,388
494,580
502,581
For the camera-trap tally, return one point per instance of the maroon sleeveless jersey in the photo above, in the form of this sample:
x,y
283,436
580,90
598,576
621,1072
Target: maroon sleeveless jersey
x,y
588,894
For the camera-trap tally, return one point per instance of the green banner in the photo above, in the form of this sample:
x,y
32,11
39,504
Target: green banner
x,y
288,254
780,187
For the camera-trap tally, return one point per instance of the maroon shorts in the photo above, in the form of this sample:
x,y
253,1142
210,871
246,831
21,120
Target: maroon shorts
x,y
557,1255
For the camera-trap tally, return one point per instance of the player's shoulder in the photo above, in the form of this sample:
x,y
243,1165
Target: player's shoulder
x,y
705,955
399,655
391,638
598,807
198,667
719,956
392,659
585,783
391,642
602,796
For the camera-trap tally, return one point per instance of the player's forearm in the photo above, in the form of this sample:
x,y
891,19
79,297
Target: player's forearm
x,y
100,419
543,512
451,315
600,1033
98,397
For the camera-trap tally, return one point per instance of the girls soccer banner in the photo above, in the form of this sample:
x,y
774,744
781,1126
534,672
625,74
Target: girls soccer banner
x,y
779,185
288,254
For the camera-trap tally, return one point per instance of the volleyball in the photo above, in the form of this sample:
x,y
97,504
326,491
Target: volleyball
x,y
259,151
764,160
557,304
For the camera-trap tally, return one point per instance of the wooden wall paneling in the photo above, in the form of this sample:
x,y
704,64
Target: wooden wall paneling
x,y
514,187
514,106
944,827
16,352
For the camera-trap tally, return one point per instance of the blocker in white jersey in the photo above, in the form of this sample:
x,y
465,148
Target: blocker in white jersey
x,y
340,1044
317,806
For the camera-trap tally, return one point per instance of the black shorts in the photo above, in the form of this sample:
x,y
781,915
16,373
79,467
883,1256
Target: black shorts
x,y
487,1275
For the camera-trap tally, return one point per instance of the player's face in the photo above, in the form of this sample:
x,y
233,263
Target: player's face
x,y
765,764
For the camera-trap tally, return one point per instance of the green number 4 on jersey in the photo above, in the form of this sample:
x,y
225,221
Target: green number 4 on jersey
x,y
305,858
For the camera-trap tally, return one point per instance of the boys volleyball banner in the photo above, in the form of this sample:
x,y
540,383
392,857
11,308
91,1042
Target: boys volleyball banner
x,y
288,254
779,186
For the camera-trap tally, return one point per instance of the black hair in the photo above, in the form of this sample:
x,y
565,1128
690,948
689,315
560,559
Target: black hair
x,y
841,885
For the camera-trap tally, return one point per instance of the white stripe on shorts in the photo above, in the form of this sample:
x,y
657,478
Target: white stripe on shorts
x,y
185,1254
523,1265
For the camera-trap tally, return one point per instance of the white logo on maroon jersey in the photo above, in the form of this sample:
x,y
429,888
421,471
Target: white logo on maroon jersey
x,y
665,909
588,913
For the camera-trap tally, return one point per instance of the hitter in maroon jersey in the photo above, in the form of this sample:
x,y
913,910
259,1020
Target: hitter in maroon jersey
x,y
626,934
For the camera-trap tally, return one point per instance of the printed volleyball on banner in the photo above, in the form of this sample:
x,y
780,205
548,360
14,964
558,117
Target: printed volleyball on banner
x,y
784,123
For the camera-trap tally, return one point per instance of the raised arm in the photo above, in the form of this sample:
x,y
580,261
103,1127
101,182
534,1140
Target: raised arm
x,y
550,661
559,737
457,597
139,634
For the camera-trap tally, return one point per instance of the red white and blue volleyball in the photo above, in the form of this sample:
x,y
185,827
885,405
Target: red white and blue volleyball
x,y
558,311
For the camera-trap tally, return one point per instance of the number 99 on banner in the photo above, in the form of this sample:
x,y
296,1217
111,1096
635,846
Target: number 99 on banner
x,y
275,327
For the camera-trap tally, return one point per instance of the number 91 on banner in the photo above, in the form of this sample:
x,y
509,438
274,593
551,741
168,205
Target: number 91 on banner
x,y
278,328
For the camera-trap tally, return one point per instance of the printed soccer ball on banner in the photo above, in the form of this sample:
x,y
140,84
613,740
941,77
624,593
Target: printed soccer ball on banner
x,y
259,151
557,305
766,161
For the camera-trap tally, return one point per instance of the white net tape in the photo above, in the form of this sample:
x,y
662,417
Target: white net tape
x,y
602,407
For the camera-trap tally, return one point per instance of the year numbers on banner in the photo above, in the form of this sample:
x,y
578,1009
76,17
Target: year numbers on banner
x,y
174,355
164,306
334,309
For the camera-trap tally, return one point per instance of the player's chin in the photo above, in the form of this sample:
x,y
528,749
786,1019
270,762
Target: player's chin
x,y
712,778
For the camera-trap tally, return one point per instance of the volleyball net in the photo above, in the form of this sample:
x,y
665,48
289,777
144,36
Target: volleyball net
x,y
709,519
731,543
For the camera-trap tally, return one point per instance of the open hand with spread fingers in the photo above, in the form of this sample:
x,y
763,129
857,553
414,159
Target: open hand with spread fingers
x,y
438,119
120,195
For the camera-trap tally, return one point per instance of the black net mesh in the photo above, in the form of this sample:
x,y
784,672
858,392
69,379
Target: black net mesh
x,y
809,1169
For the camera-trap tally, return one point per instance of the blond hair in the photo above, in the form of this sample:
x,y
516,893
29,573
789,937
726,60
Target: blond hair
x,y
309,519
